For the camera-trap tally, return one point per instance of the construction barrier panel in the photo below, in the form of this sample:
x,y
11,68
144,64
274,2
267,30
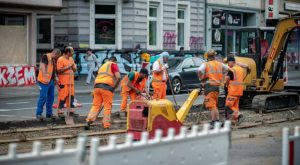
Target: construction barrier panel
x,y
58,156
291,147
191,147
209,147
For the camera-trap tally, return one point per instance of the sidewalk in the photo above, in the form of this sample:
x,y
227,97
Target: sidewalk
x,y
33,91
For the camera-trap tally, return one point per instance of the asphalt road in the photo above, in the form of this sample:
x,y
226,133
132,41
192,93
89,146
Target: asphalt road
x,y
24,109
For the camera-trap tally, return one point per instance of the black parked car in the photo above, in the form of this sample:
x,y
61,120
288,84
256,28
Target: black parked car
x,y
183,73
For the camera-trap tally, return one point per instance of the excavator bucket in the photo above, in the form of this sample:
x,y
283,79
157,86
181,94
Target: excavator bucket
x,y
185,108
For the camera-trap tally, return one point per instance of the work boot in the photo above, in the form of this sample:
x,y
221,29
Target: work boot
x,y
240,119
123,115
61,115
87,125
72,102
40,118
51,117
212,124
74,114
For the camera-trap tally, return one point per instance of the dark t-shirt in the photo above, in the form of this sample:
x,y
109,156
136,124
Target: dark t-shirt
x,y
230,74
45,61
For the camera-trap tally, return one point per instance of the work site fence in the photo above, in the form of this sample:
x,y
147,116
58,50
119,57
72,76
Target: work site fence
x,y
291,147
191,147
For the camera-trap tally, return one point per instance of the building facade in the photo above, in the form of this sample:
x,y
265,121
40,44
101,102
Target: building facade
x,y
122,24
18,29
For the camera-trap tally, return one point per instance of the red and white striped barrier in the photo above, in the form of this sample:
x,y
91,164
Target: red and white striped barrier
x,y
291,147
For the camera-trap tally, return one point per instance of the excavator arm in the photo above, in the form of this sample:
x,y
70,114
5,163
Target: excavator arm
x,y
277,50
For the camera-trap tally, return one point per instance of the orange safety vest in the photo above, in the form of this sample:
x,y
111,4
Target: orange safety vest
x,y
158,77
49,70
141,86
105,75
67,77
125,81
213,72
236,86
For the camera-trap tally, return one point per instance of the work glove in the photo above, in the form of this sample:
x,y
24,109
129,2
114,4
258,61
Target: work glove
x,y
138,92
166,66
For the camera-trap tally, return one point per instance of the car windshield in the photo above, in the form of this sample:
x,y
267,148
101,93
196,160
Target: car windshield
x,y
174,62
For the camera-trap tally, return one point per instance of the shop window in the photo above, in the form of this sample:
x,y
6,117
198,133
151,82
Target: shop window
x,y
105,24
180,27
43,30
152,26
293,48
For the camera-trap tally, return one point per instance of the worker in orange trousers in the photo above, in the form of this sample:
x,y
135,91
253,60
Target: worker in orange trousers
x,y
65,70
234,81
106,82
133,85
160,76
211,74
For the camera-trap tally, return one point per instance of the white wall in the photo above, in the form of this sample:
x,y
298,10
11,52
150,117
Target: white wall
x,y
47,3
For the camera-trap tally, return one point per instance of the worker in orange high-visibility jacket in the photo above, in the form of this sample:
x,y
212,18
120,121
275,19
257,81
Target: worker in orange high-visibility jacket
x,y
46,81
211,74
234,81
132,84
65,70
160,76
107,80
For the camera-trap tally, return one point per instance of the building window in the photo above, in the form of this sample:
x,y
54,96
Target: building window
x,y
14,39
152,26
11,19
44,30
180,27
105,24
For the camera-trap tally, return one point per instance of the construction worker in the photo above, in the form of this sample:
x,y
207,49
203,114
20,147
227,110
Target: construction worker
x,y
46,81
106,82
133,85
211,74
65,70
234,81
160,76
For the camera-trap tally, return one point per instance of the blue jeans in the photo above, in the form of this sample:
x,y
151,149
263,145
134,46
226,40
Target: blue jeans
x,y
46,96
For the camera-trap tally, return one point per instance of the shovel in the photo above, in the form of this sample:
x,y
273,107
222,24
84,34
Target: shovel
x,y
171,86
69,118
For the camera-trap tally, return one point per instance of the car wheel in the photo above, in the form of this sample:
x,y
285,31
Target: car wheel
x,y
176,85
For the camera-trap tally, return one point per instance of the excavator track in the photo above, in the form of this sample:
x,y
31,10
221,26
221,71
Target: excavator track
x,y
275,102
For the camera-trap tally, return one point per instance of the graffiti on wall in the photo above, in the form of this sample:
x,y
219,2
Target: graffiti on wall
x,y
196,43
169,40
17,76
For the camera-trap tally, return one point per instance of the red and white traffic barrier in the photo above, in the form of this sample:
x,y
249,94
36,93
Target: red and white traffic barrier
x,y
291,147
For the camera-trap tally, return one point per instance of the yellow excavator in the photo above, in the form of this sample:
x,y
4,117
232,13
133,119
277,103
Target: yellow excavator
x,y
264,85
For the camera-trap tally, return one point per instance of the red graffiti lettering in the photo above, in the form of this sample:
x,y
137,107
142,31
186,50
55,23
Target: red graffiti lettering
x,y
169,40
17,76
196,42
